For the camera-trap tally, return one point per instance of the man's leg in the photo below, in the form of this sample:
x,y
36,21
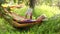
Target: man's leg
x,y
30,15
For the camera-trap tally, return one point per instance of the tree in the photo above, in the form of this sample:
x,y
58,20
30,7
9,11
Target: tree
x,y
32,3
58,4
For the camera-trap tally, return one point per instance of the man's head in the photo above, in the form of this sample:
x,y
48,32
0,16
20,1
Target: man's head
x,y
41,18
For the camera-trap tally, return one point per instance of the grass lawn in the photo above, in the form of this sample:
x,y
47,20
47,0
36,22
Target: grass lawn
x,y
51,26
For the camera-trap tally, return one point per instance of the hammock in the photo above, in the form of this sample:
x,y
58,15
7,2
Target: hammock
x,y
19,21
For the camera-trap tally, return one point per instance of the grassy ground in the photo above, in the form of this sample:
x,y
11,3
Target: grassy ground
x,y
51,26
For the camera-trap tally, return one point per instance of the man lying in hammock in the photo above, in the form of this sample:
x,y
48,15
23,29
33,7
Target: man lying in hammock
x,y
21,19
25,20
39,19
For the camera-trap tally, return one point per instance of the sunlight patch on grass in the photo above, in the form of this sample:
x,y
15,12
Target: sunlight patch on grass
x,y
49,11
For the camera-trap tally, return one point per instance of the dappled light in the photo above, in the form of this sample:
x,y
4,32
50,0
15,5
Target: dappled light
x,y
29,16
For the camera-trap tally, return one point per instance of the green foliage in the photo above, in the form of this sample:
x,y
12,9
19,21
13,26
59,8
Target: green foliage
x,y
47,10
20,11
2,1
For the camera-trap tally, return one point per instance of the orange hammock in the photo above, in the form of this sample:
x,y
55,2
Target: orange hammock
x,y
15,6
19,21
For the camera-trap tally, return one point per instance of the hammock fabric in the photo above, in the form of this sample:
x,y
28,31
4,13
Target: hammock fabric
x,y
19,21
13,6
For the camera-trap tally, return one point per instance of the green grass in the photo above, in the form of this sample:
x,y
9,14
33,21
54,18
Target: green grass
x,y
51,26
